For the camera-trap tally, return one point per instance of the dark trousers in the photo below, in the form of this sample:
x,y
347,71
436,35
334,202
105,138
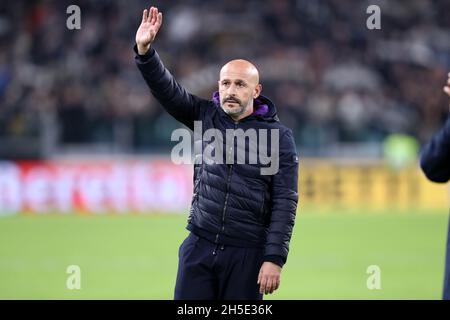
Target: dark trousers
x,y
209,271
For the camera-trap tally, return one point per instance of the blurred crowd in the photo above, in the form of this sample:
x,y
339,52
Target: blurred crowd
x,y
332,79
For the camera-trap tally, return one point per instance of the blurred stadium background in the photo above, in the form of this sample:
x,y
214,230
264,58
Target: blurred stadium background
x,y
85,171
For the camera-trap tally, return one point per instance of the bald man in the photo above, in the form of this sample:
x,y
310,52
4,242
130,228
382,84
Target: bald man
x,y
240,219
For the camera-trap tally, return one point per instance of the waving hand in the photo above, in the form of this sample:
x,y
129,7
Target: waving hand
x,y
146,34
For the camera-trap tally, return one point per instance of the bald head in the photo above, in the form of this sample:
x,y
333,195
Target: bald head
x,y
238,86
241,68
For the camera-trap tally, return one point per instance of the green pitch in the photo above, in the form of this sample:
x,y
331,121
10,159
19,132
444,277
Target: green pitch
x,y
135,257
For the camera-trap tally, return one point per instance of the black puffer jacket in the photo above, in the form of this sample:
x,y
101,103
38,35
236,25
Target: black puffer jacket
x,y
435,156
233,203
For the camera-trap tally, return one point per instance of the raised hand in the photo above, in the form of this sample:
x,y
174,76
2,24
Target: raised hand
x,y
145,35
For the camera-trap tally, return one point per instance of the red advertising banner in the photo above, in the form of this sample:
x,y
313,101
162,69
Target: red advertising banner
x,y
94,187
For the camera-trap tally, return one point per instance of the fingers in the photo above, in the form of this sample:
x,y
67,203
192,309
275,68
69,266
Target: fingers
x,y
262,284
155,16
152,15
269,288
159,19
447,87
268,284
144,15
277,285
274,285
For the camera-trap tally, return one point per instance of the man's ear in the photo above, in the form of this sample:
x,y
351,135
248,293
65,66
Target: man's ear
x,y
257,91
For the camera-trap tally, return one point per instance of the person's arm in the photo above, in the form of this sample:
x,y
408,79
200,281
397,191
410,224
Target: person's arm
x,y
284,208
435,155
182,105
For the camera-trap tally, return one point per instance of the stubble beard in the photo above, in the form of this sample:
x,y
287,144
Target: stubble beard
x,y
234,112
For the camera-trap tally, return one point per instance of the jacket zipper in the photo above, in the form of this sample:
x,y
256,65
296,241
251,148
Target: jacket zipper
x,y
230,170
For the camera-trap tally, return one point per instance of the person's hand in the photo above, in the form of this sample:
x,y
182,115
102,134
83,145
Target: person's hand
x,y
447,87
269,277
145,35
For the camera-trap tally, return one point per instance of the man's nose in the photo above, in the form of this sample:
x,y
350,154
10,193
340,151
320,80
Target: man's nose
x,y
231,90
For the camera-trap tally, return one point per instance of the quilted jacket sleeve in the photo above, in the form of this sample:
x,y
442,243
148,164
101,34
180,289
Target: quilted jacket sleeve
x,y
435,156
284,201
176,100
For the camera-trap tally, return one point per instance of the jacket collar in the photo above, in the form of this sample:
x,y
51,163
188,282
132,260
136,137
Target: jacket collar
x,y
263,108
